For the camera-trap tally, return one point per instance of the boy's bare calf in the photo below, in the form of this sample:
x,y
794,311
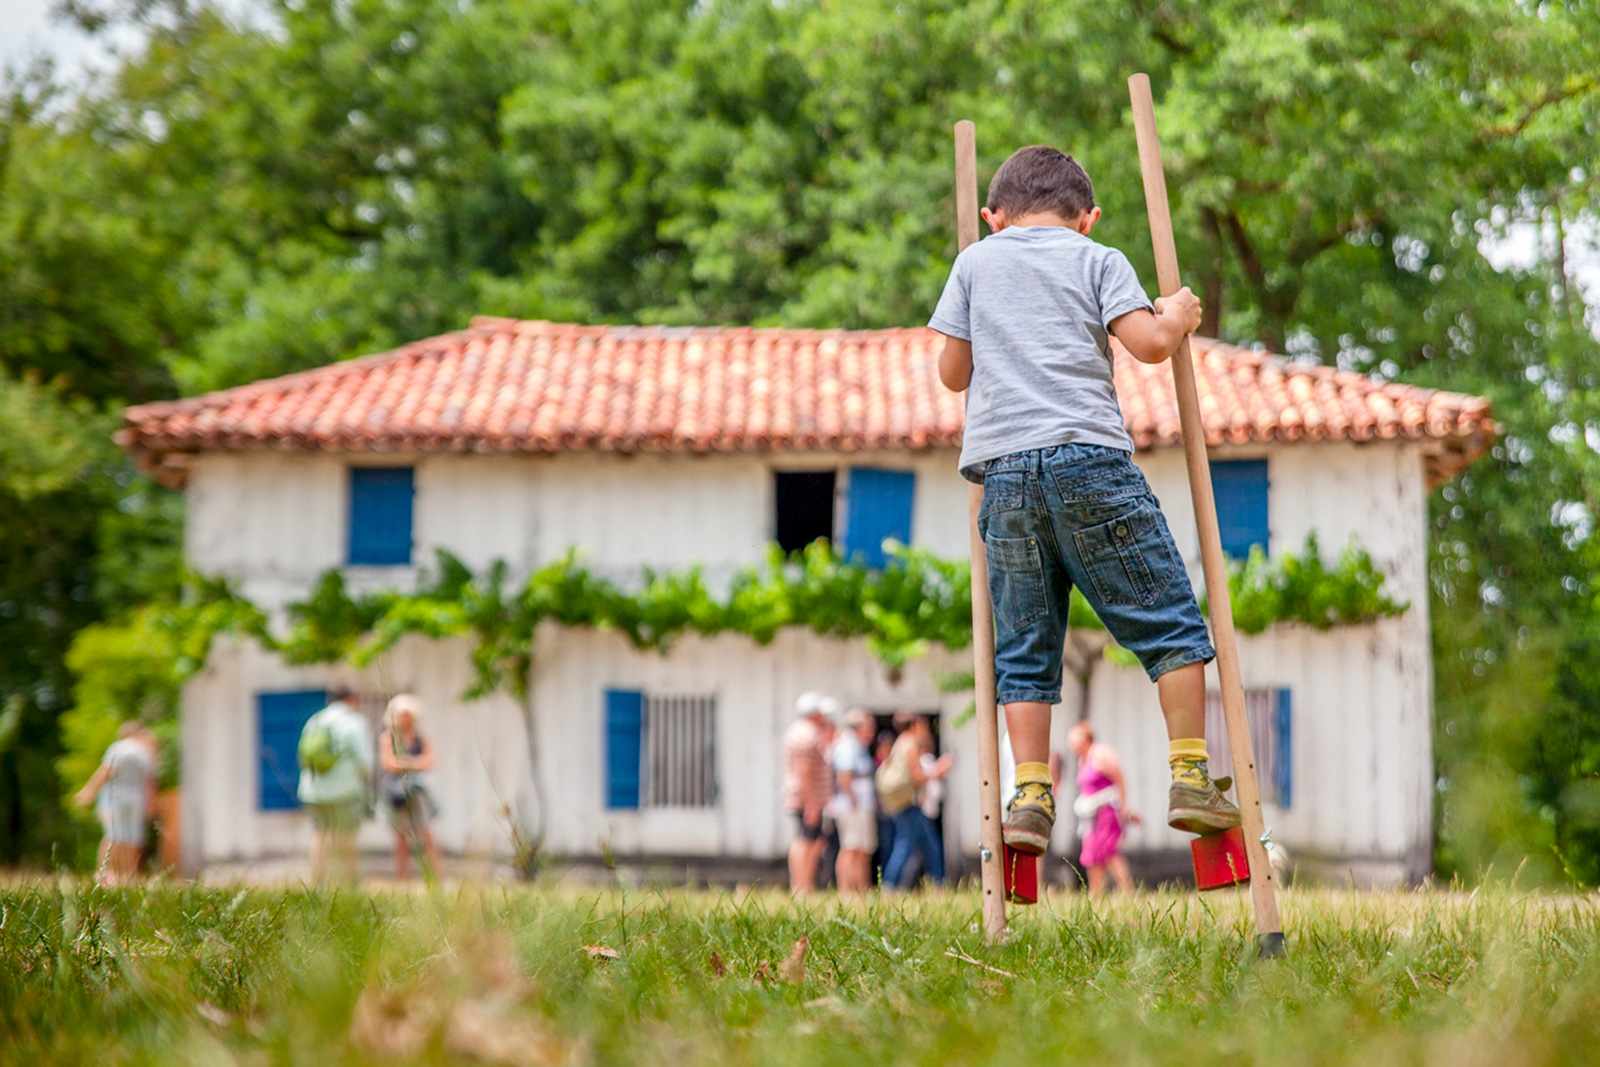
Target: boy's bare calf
x,y
1183,704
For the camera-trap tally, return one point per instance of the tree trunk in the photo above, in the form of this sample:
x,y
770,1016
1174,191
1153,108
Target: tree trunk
x,y
1276,302
1211,275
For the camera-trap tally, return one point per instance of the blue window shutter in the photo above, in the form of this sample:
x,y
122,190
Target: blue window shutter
x,y
624,746
279,719
877,506
380,515
1283,740
1240,486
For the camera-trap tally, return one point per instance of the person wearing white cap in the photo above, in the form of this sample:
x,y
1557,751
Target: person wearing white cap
x,y
807,785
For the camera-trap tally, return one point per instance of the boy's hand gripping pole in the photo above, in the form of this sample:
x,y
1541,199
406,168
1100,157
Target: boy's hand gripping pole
x,y
1269,932
993,873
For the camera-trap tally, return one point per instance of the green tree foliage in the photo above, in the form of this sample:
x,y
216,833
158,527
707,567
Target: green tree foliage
x,y
262,191
67,552
135,668
1301,588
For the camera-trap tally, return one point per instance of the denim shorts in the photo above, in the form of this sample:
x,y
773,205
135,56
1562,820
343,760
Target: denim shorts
x,y
1081,515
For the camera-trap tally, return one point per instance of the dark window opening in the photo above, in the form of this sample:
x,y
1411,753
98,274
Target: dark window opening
x,y
805,501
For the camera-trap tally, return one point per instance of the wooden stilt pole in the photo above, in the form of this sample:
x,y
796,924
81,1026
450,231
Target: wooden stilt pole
x,y
1263,891
993,869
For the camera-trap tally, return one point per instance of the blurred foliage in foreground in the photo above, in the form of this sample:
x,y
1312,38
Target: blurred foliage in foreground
x,y
262,189
522,978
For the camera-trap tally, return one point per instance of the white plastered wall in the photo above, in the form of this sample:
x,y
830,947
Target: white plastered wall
x,y
1363,696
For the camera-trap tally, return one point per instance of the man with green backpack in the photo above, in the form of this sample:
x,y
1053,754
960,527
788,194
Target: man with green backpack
x,y
335,773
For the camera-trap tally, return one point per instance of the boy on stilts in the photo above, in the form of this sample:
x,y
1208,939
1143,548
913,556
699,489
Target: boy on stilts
x,y
1027,316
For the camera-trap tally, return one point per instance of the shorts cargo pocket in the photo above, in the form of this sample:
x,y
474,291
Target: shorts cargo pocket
x,y
1131,559
1002,492
1016,580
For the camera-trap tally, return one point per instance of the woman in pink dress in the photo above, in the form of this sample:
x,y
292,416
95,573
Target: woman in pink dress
x,y
1102,810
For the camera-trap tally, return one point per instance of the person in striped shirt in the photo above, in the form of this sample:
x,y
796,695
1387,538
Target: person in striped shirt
x,y
807,786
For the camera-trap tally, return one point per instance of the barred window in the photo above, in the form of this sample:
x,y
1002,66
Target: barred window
x,y
1270,713
661,750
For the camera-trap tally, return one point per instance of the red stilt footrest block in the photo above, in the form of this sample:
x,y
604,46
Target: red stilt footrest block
x,y
1022,876
1220,860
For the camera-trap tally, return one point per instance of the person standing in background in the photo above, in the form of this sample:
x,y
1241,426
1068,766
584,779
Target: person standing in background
x,y
807,785
931,801
335,770
403,755
913,833
123,792
1101,808
828,856
882,749
855,804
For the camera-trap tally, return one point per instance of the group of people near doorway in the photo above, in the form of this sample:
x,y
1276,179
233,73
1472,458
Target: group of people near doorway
x,y
865,803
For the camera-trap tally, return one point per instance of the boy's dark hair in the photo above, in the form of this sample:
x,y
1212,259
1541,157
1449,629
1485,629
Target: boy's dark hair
x,y
1041,178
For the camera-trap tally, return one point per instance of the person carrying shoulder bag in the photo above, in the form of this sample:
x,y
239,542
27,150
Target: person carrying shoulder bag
x,y
403,755
899,780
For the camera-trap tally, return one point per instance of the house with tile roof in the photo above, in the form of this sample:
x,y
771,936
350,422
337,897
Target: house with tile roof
x,y
667,447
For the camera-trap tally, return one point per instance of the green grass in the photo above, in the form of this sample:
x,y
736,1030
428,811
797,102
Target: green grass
x,y
208,976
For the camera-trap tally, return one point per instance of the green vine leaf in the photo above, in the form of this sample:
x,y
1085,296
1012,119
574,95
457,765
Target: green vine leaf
x,y
918,601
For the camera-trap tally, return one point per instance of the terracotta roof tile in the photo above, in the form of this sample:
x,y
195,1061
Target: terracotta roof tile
x,y
509,386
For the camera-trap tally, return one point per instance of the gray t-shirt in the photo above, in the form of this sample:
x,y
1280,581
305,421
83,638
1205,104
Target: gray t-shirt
x,y
851,757
130,767
1036,302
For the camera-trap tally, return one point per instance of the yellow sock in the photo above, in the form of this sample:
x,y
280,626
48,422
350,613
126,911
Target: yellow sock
x,y
1187,757
1033,772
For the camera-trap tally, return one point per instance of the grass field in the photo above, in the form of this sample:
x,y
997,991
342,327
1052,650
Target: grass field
x,y
537,976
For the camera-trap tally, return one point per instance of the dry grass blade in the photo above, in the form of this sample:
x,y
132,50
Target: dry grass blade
x,y
484,1031
794,968
473,1004
213,1014
964,958
388,1022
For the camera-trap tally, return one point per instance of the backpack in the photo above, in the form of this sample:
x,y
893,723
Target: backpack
x,y
896,790
319,748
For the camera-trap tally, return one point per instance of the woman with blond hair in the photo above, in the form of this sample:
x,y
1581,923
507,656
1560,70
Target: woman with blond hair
x,y
403,755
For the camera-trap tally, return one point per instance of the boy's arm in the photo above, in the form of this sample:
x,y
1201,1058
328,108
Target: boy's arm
x,y
1152,338
955,364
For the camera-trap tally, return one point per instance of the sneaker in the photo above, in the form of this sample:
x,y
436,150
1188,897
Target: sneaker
x,y
1029,818
1197,809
